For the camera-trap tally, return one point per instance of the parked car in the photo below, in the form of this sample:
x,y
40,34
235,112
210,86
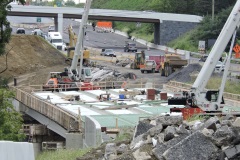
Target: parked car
x,y
51,28
203,58
130,46
108,52
20,31
219,65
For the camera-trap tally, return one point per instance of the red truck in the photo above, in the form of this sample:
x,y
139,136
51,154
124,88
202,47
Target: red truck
x,y
152,64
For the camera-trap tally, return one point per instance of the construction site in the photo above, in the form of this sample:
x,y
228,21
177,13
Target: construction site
x,y
85,98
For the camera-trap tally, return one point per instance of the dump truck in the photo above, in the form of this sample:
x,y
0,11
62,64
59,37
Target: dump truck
x,y
151,65
171,62
104,26
139,59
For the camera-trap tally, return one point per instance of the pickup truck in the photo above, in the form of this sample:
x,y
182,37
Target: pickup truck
x,y
150,66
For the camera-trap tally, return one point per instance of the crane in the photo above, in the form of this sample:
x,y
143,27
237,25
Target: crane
x,y
74,72
198,96
75,75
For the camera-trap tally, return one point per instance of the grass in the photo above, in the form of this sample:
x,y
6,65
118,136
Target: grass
x,y
197,117
215,83
231,87
62,154
184,42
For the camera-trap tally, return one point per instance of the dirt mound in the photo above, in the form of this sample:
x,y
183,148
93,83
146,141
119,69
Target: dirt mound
x,y
30,54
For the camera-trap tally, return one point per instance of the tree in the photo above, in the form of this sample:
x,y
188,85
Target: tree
x,y
10,120
70,3
5,29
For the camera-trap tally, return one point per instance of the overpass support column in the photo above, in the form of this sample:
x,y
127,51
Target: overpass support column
x,y
157,33
59,23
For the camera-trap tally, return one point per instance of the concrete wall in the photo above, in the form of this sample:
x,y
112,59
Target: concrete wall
x,y
170,30
16,150
74,140
93,136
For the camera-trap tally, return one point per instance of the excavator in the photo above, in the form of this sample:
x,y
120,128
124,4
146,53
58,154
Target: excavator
x,y
71,47
198,99
139,59
77,76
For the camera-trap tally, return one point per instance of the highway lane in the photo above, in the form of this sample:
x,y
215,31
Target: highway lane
x,y
92,39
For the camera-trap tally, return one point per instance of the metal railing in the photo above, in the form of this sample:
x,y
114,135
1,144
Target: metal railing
x,y
139,83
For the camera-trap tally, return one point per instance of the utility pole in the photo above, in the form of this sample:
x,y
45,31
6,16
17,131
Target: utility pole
x,y
213,10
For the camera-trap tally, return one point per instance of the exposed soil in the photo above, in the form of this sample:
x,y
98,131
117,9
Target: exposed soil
x,y
30,59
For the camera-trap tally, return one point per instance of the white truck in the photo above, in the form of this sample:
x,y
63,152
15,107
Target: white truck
x,y
55,38
148,66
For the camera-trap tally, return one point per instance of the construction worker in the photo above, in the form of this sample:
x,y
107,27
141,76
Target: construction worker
x,y
93,25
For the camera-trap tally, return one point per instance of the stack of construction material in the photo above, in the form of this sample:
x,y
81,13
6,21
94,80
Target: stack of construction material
x,y
151,94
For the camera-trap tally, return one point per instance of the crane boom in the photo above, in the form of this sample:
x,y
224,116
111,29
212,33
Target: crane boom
x,y
198,96
230,26
79,45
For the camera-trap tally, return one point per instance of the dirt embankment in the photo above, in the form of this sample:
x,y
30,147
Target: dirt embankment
x,y
30,59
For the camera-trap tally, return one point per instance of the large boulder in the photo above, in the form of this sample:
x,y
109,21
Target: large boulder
x,y
169,133
233,152
197,146
142,127
223,136
169,120
110,150
162,147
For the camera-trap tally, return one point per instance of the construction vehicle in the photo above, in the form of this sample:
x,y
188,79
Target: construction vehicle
x,y
199,99
139,59
76,74
59,81
71,48
104,27
151,65
130,46
170,62
55,38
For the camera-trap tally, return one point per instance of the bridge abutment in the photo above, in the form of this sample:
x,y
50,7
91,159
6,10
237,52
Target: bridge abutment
x,y
74,140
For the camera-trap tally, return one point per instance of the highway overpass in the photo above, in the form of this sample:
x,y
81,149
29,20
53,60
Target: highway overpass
x,y
168,26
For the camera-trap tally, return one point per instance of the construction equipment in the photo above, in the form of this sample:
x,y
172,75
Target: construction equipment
x,y
76,76
104,27
71,48
139,59
170,62
199,99
151,65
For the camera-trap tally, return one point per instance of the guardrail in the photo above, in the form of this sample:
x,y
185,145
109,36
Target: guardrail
x,y
138,83
174,85
70,122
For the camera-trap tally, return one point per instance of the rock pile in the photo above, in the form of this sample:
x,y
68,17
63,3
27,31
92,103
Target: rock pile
x,y
171,138
184,75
